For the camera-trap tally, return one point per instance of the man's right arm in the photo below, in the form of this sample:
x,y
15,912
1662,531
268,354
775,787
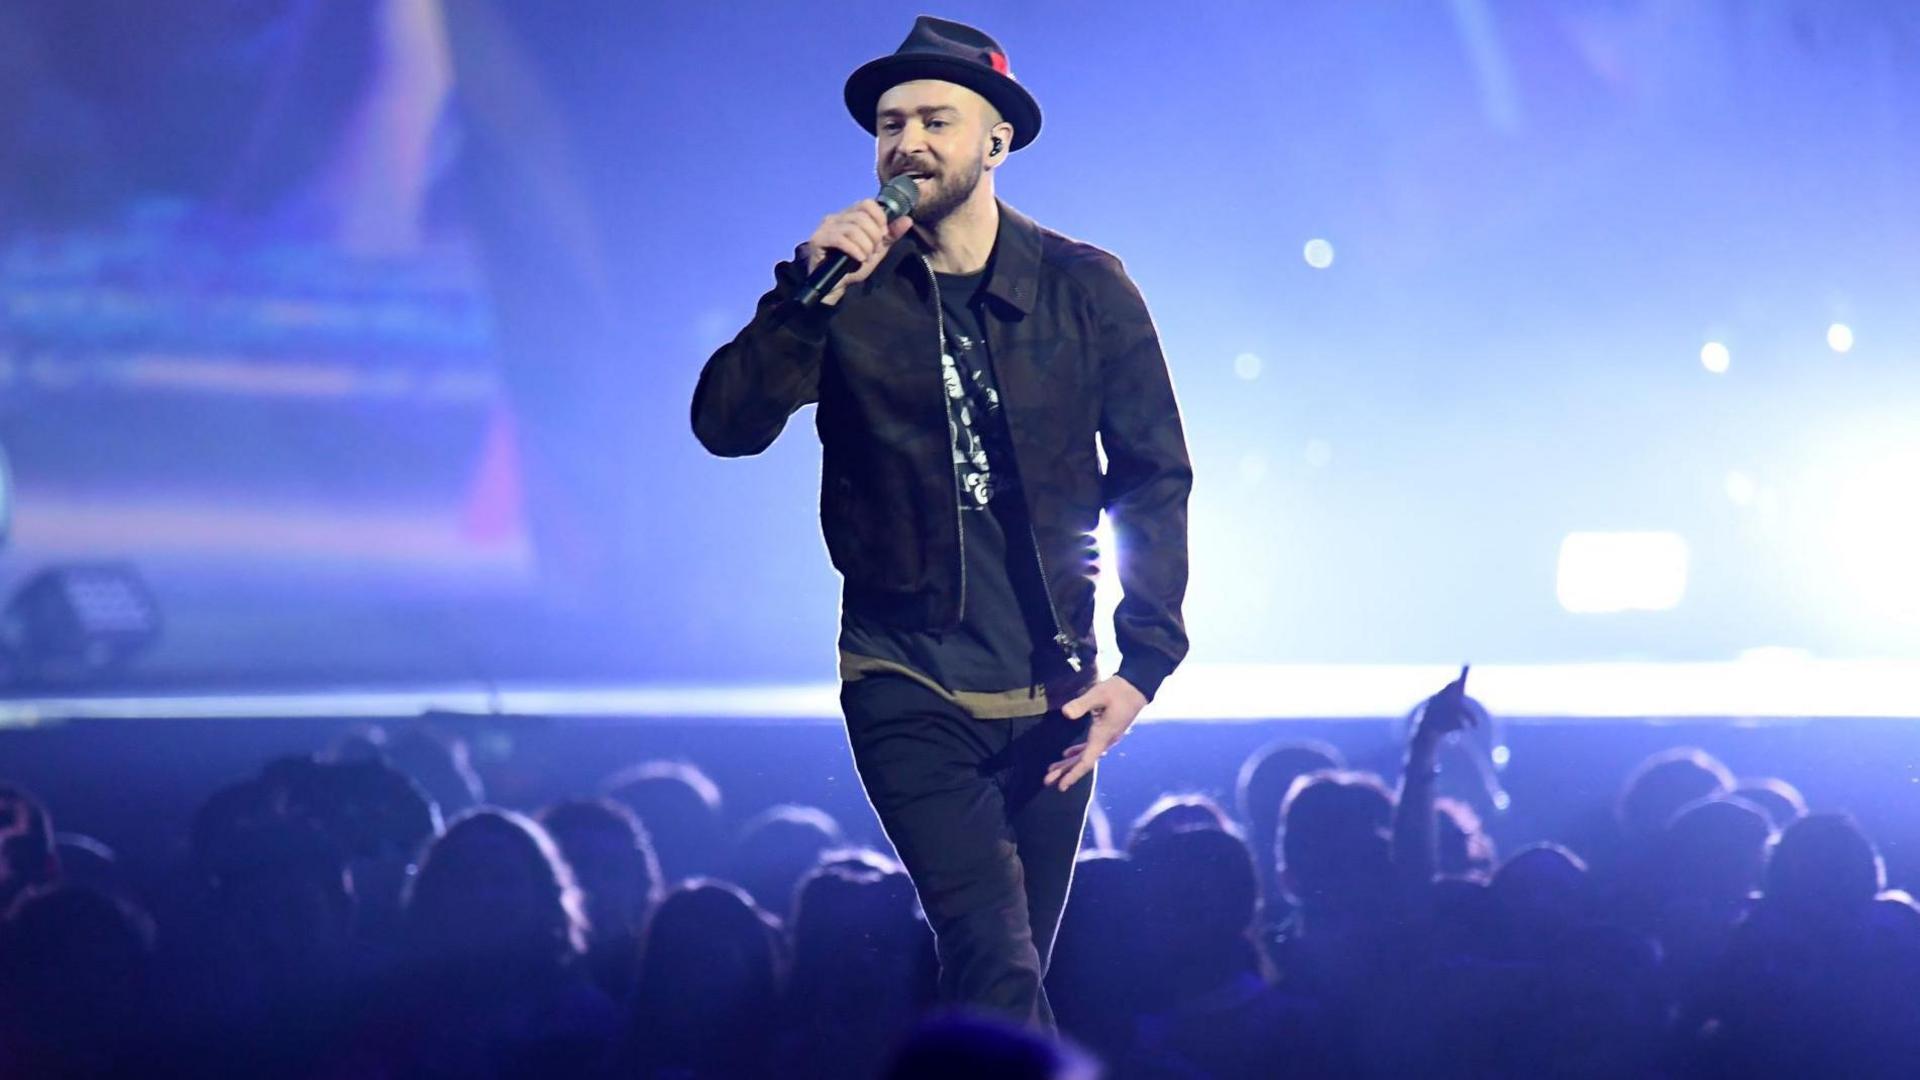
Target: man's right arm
x,y
753,383
771,368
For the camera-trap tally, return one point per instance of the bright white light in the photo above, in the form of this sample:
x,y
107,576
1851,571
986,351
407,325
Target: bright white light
x,y
1741,488
1319,453
1318,253
1501,755
1253,468
1715,357
1840,337
1873,526
1106,594
1605,572
1774,655
1247,366
1103,539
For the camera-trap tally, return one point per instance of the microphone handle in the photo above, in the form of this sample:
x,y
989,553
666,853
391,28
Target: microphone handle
x,y
824,277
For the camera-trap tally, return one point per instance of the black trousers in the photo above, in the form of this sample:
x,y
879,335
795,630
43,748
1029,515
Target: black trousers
x,y
989,847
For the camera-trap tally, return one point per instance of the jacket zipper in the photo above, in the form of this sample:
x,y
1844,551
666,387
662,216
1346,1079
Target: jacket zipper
x,y
1060,636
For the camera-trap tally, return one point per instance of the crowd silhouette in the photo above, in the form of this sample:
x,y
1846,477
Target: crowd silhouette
x,y
365,912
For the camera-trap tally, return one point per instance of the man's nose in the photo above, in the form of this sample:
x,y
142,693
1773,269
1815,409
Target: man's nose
x,y
913,139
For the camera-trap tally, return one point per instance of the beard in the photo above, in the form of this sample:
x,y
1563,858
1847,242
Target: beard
x,y
945,190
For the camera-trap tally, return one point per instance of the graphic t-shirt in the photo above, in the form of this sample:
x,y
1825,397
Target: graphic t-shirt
x,y
997,663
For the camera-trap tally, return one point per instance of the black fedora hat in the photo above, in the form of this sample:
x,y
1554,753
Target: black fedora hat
x,y
951,52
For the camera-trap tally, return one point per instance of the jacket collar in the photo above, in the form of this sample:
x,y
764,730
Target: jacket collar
x,y
1016,260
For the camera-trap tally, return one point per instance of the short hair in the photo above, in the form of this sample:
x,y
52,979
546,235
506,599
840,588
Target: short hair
x,y
1196,881
1174,811
1543,876
681,808
1335,823
1715,848
1824,864
1269,772
1664,782
1779,800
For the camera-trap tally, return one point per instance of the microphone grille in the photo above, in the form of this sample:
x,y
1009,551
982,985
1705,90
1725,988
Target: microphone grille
x,y
899,196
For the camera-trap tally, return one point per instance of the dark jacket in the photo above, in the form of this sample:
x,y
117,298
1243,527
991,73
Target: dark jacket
x,y
1080,371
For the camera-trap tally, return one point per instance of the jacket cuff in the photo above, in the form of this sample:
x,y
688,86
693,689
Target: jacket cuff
x,y
1146,672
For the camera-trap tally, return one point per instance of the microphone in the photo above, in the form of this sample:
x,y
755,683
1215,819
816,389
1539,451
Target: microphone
x,y
898,198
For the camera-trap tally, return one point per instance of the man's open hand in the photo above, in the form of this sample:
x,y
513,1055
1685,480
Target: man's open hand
x,y
1113,703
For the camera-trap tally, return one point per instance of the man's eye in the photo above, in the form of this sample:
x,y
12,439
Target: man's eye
x,y
936,123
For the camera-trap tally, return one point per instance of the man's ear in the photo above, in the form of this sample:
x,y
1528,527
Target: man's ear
x,y
999,143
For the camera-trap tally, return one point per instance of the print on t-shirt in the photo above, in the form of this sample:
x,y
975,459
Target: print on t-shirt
x,y
972,405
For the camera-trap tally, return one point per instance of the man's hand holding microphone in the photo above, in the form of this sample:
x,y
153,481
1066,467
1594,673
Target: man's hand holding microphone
x,y
848,245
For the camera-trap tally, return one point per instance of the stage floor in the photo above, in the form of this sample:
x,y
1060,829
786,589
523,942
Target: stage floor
x,y
1760,687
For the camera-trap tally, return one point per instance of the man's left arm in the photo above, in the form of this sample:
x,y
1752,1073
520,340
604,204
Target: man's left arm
x,y
1149,477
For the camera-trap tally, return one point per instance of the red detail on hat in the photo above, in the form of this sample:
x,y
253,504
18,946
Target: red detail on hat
x,y
999,61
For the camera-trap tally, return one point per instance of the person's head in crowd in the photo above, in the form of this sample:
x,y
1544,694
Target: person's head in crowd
x,y
378,816
1823,868
863,965
1336,842
709,985
224,819
1197,891
1713,852
1461,841
1099,969
776,848
362,742
964,1047
494,887
1268,774
373,809
29,854
73,982
70,932
1260,789
613,865
85,860
857,860
1779,800
855,923
440,762
680,806
280,889
1896,920
1661,784
1541,888
1174,812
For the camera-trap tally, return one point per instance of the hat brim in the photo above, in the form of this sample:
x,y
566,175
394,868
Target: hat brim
x,y
876,77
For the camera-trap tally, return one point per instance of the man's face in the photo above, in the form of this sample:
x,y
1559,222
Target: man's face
x,y
937,133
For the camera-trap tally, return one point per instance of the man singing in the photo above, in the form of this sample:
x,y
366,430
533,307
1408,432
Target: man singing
x,y
968,374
